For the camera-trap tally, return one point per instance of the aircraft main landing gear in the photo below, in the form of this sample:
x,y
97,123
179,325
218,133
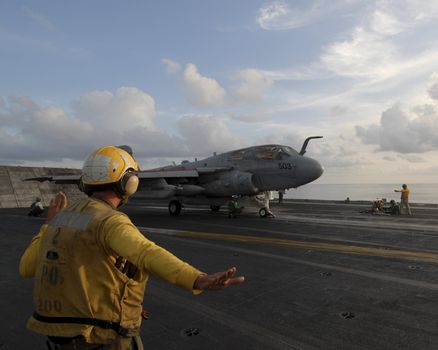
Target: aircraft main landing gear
x,y
215,207
174,208
265,213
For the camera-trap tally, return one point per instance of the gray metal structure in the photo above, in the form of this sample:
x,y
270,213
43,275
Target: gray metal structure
x,y
213,181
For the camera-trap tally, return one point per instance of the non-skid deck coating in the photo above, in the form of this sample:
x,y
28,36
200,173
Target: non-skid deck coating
x,y
321,275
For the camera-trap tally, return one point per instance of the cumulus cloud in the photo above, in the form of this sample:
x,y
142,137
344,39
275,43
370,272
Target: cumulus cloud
x,y
334,152
172,67
201,91
291,139
253,85
337,155
390,158
128,107
398,131
412,158
207,134
433,91
30,131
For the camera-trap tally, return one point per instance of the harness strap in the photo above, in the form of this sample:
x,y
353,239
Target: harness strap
x,y
86,320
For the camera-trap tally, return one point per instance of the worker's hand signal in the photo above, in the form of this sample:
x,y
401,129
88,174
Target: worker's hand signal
x,y
218,280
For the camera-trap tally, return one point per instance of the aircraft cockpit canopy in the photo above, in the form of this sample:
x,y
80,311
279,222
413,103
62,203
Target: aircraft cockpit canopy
x,y
273,152
268,152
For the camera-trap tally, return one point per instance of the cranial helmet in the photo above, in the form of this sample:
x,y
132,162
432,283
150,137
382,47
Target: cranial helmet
x,y
110,165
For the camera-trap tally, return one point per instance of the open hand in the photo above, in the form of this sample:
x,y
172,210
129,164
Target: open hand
x,y
218,280
58,203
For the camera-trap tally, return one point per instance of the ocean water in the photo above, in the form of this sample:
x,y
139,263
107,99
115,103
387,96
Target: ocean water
x,y
420,193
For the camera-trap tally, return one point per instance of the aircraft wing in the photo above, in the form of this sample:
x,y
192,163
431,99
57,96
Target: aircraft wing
x,y
166,174
57,179
143,175
178,173
206,170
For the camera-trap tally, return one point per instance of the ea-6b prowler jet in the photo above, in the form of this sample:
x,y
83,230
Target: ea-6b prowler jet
x,y
215,180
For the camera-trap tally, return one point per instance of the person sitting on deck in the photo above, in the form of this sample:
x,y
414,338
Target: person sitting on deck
x,y
36,208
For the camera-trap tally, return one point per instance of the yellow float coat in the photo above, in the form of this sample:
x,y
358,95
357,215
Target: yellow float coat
x,y
73,260
405,193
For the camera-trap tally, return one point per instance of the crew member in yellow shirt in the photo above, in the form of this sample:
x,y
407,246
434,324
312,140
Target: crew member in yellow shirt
x,y
91,264
404,200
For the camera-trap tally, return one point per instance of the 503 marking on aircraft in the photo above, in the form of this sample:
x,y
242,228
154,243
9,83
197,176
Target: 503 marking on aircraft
x,y
286,166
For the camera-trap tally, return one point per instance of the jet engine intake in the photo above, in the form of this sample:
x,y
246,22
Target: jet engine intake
x,y
157,188
189,190
231,183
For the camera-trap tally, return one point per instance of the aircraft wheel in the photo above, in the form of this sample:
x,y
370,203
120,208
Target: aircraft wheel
x,y
174,208
215,207
263,212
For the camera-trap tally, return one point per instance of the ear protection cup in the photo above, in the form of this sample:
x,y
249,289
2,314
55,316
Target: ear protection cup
x,y
84,188
128,184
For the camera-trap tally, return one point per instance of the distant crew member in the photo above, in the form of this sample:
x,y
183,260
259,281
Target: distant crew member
x,y
36,208
280,196
234,207
91,264
404,200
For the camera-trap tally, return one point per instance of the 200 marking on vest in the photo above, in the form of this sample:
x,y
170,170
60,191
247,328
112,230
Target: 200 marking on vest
x,y
48,305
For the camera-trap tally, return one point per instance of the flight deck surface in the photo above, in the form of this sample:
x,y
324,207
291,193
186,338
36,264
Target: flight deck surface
x,y
321,275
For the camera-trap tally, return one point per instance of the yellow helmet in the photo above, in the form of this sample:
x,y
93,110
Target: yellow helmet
x,y
110,164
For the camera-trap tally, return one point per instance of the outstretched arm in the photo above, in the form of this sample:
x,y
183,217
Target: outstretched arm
x,y
218,280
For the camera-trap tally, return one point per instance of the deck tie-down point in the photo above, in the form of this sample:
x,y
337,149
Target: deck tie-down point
x,y
190,332
347,315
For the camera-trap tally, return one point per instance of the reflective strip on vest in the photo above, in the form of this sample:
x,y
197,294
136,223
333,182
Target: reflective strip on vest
x,y
72,219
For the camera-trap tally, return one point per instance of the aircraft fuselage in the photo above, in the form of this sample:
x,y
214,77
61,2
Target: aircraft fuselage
x,y
248,171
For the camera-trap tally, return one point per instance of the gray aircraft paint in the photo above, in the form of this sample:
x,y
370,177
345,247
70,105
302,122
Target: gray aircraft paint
x,y
214,180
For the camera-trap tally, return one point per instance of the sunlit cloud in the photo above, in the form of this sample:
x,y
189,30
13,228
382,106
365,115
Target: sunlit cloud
x,y
404,132
202,91
253,85
30,131
433,91
207,134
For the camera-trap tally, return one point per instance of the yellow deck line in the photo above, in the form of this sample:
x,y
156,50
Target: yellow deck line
x,y
343,248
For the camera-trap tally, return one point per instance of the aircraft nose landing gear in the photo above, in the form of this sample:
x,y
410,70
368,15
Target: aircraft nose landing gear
x,y
174,208
215,207
266,213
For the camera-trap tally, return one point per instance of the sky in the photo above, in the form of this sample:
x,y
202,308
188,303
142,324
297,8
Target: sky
x,y
183,79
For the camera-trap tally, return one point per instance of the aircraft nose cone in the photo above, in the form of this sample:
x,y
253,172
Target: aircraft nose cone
x,y
309,170
318,169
